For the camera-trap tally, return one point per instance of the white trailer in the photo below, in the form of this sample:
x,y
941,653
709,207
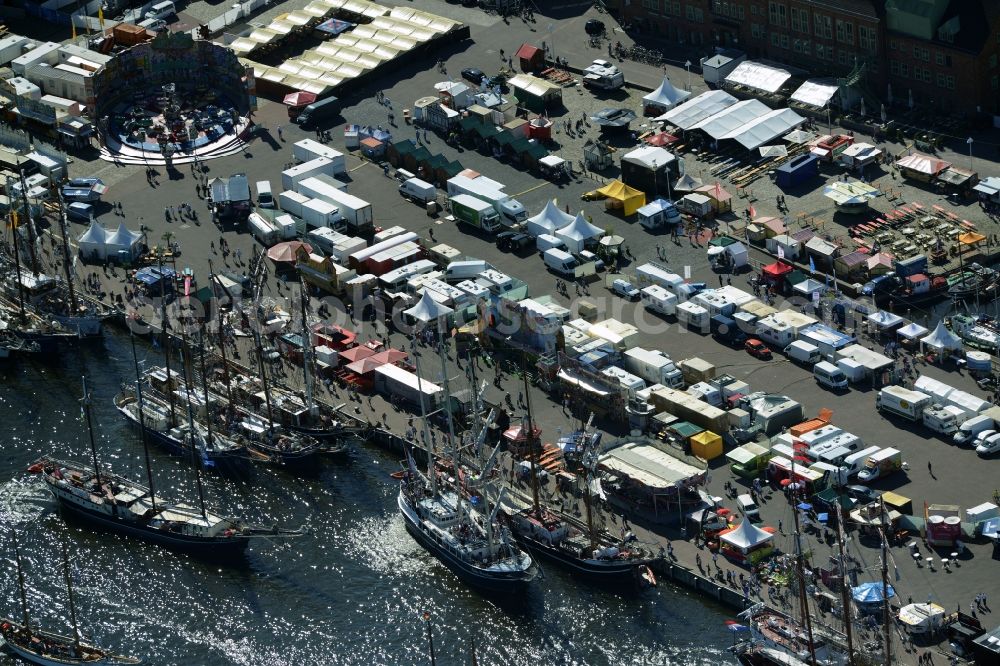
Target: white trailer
x,y
321,213
309,149
291,202
357,212
653,366
319,187
902,402
292,177
657,299
265,233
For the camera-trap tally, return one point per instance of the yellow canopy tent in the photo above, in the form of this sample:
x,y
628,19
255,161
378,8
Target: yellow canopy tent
x,y
971,238
629,198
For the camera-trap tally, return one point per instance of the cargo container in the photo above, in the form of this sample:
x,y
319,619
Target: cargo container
x,y
309,149
319,213
653,366
291,201
319,187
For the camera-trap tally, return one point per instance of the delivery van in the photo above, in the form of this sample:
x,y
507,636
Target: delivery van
x,y
855,462
748,508
161,11
803,352
317,112
264,197
830,376
560,262
419,191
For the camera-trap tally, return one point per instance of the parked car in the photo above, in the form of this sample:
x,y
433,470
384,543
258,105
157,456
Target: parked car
x,y
757,349
473,75
594,27
79,210
625,289
512,241
83,182
863,493
587,255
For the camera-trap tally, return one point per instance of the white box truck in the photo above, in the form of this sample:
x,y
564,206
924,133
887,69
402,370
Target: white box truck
x,y
967,432
309,149
262,230
321,213
357,213
319,187
855,462
418,191
943,419
882,463
291,177
803,352
902,402
511,211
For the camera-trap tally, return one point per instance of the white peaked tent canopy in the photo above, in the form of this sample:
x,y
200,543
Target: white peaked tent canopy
x,y
687,183
93,240
747,536
550,219
942,339
578,232
124,240
884,320
666,96
427,309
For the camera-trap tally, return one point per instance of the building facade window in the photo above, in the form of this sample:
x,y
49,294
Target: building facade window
x,y
920,53
892,44
995,82
757,31
845,32
785,42
777,14
803,46
949,82
800,19
695,14
843,57
675,7
823,26
775,39
993,60
867,39
824,52
653,6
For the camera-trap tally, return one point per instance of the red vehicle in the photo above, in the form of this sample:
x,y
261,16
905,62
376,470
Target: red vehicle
x,y
757,349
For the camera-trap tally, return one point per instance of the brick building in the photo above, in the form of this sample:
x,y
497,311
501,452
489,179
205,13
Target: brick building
x,y
944,51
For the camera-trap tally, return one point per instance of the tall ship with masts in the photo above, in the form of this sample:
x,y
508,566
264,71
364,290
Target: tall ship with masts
x,y
470,543
114,502
39,646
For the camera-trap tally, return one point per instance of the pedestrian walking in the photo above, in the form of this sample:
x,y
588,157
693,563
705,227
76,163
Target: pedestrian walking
x,y
929,469
780,528
280,137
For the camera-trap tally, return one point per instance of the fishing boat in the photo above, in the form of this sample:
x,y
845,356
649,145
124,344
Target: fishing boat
x,y
979,332
470,543
918,290
53,299
780,634
38,646
14,344
973,281
749,653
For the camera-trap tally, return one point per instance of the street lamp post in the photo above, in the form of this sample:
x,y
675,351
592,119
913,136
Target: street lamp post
x,y
687,66
969,141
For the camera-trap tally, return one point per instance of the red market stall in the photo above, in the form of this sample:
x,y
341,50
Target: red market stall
x,y
774,275
336,338
539,128
296,101
530,58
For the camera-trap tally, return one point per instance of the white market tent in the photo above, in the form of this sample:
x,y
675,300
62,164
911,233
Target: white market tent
x,y
547,221
732,118
688,183
815,92
850,193
427,308
578,232
698,109
766,128
912,331
941,339
884,321
649,157
92,242
925,164
746,536
666,96
124,240
758,76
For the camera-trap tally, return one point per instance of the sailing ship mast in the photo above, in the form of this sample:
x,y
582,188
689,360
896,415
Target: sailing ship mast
x,y
886,616
844,589
258,281
204,383
533,450
142,423
165,339
66,258
803,599
428,442
69,591
17,258
185,363
31,224
222,340
451,427
306,349
90,431
20,582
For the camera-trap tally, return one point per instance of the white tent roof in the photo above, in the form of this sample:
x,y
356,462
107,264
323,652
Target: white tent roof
x,y
941,338
123,238
94,235
923,163
580,229
667,95
884,319
816,92
550,219
650,157
850,193
747,535
687,183
698,109
765,128
758,76
912,331
427,309
733,118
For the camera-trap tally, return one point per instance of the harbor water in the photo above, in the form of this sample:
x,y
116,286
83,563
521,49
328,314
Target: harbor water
x,y
352,591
